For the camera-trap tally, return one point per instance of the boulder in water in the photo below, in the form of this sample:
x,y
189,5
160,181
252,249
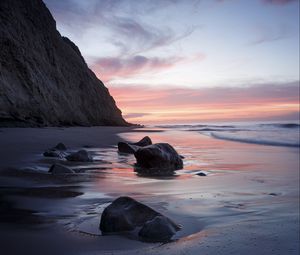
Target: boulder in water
x,y
159,229
56,152
127,214
131,148
60,169
80,156
158,156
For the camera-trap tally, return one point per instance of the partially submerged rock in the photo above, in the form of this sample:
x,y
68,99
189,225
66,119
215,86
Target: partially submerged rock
x,y
131,148
144,142
60,169
56,152
127,148
201,174
158,156
127,214
53,153
80,156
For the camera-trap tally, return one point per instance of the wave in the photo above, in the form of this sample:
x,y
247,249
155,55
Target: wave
x,y
218,129
281,125
195,126
254,140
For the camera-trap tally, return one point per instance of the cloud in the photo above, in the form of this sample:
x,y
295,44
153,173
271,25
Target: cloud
x,y
279,2
111,68
122,20
179,104
135,115
268,34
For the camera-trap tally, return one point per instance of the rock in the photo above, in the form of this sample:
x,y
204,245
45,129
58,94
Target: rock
x,y
126,214
144,142
127,148
80,156
44,80
201,174
56,151
60,169
158,156
60,147
131,148
159,229
53,153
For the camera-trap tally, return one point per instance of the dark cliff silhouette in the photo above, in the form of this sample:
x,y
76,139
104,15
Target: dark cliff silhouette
x,y
44,80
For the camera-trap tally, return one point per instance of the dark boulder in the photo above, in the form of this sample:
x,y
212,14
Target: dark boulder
x,y
80,156
131,148
127,214
56,152
60,169
127,148
144,142
60,147
159,229
53,153
158,156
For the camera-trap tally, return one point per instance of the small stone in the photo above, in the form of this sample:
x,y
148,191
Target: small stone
x,y
201,174
60,169
60,147
80,156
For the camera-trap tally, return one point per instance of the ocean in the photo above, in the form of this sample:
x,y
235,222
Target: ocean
x,y
275,134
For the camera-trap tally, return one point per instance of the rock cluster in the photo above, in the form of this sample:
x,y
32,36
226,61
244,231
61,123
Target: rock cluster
x,y
153,159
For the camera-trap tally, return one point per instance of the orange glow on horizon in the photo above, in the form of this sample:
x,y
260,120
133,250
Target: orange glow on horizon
x,y
154,106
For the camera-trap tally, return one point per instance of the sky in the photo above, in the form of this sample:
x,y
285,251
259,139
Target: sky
x,y
190,61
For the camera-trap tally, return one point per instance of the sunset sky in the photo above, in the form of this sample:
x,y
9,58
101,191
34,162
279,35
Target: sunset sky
x,y
190,61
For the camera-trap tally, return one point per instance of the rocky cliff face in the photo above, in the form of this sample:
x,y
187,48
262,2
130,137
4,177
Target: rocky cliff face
x,y
44,80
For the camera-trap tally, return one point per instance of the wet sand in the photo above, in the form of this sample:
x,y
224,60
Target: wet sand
x,y
247,204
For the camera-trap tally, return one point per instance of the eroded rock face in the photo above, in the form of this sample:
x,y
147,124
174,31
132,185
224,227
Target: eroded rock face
x,y
127,214
131,148
60,169
159,229
44,80
160,156
80,156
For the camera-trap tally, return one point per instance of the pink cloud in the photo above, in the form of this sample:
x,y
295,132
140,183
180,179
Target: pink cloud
x,y
110,68
145,104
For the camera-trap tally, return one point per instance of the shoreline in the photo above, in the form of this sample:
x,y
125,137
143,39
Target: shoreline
x,y
253,190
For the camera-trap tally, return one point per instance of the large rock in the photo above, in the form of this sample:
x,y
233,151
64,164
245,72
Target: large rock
x,y
60,169
131,148
80,156
44,80
161,156
126,214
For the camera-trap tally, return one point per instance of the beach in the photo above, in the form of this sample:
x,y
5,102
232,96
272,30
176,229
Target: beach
x,y
248,202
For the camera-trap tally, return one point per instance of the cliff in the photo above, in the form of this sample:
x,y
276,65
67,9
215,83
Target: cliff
x,y
44,80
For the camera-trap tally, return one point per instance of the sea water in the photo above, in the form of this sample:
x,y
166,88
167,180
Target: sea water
x,y
271,133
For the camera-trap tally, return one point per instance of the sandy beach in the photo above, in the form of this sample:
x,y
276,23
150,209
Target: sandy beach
x,y
248,202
